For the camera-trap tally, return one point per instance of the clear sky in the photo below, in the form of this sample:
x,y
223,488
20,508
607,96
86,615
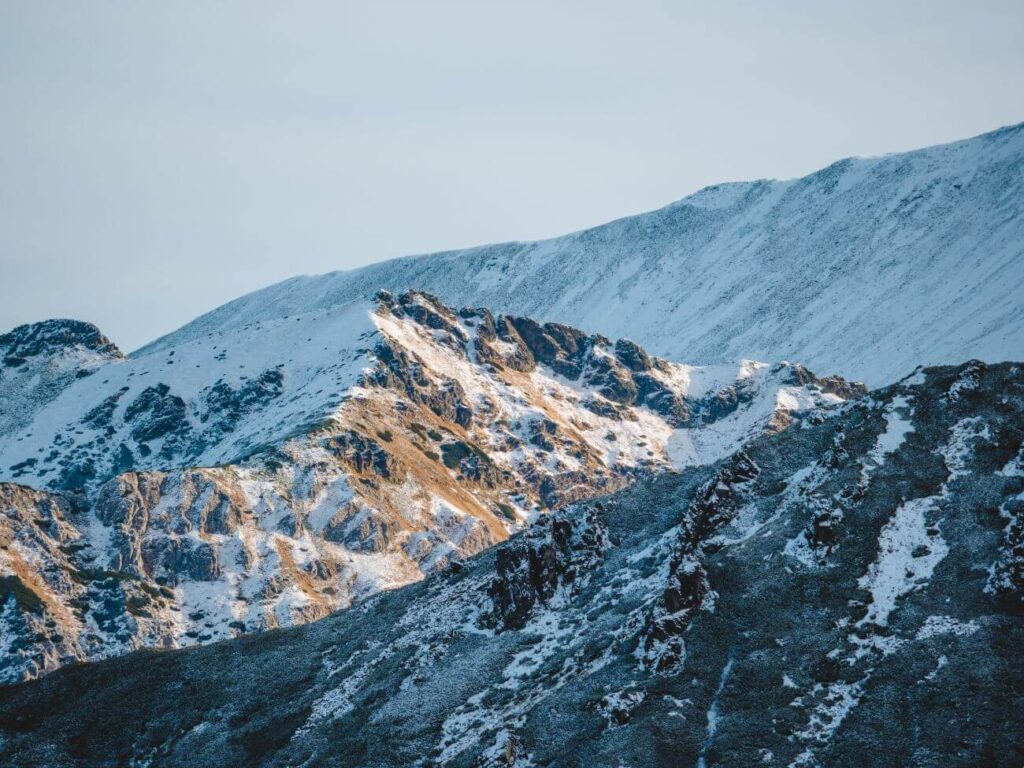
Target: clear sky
x,y
160,158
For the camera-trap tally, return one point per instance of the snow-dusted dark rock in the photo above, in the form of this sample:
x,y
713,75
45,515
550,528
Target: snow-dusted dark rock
x,y
39,361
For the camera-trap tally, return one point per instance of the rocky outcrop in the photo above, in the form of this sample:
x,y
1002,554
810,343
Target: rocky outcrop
x,y
550,560
40,361
399,369
226,405
362,454
715,504
51,337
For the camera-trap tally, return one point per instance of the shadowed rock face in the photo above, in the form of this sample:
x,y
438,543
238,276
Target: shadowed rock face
x,y
715,505
552,557
179,510
693,618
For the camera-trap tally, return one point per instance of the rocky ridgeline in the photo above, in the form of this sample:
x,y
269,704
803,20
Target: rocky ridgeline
x,y
715,505
52,338
705,617
453,430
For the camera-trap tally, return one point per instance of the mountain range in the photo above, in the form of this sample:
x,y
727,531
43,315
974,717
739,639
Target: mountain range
x,y
265,477
574,501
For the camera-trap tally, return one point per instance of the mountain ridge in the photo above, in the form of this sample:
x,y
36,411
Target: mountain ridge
x,y
267,476
767,261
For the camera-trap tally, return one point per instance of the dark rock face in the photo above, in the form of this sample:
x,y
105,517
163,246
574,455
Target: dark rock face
x,y
835,385
227,405
718,405
633,356
124,503
715,504
364,454
612,380
174,560
51,336
1007,579
902,647
365,530
559,347
398,369
553,555
157,413
162,548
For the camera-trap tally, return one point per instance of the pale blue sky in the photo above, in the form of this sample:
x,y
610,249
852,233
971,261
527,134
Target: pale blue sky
x,y
158,159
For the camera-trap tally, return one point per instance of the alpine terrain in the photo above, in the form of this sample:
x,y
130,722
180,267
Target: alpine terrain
x,y
735,482
845,592
267,476
866,269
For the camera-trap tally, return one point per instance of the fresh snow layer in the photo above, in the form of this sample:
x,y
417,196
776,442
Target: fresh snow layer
x,y
867,268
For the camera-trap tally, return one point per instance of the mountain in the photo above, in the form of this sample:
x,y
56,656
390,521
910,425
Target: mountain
x,y
847,591
867,269
268,475
37,362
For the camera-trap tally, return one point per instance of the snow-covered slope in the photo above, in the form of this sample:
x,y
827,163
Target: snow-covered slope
x,y
866,269
269,474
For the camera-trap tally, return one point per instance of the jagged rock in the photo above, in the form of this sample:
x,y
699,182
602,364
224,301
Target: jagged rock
x,y
554,554
238,467
834,385
1007,579
714,505
226,405
611,380
364,454
633,356
156,413
50,336
171,560
557,346
367,530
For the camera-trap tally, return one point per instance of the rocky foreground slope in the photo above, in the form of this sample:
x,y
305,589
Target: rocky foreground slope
x,y
270,475
845,592
866,268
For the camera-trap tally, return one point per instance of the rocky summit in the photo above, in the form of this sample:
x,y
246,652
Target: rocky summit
x,y
268,477
846,591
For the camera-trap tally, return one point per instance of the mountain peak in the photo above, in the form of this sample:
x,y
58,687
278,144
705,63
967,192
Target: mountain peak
x,y
54,336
